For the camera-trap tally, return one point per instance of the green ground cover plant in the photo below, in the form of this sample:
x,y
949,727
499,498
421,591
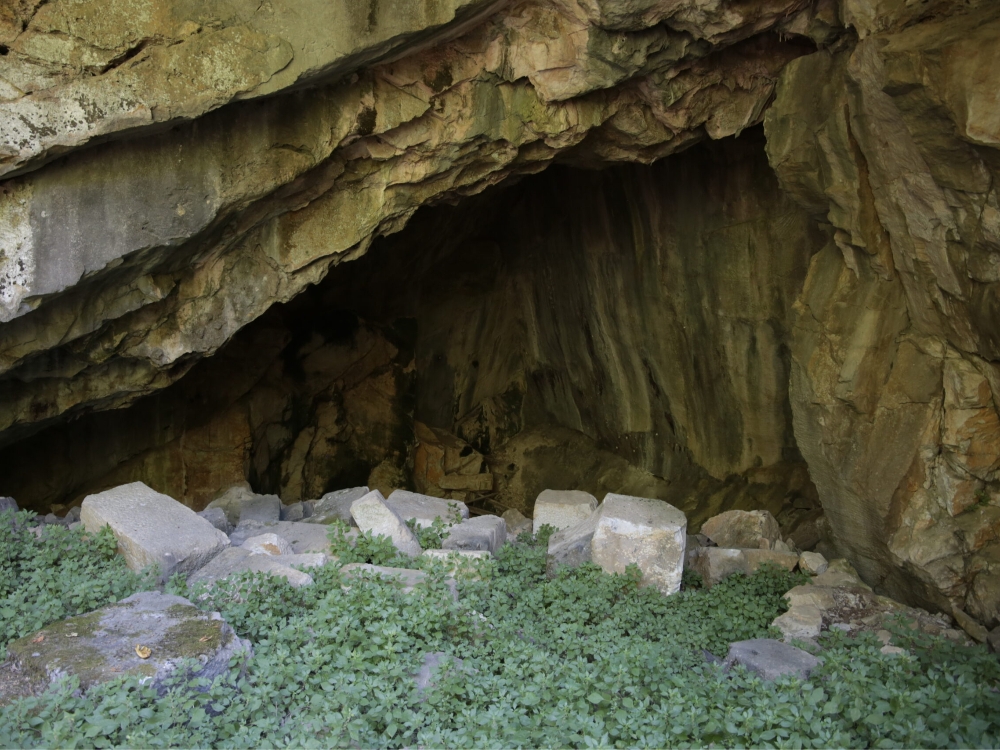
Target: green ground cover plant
x,y
584,659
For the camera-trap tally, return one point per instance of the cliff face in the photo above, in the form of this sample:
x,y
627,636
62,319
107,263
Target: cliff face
x,y
814,302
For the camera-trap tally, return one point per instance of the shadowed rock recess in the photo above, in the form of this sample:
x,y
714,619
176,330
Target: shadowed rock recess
x,y
731,255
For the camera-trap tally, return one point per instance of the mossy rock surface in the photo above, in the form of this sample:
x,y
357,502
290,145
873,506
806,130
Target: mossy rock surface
x,y
102,645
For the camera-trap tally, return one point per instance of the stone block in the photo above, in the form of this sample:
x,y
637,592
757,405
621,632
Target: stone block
x,y
742,529
231,502
217,517
813,563
715,563
800,622
648,533
260,509
336,505
305,560
302,536
993,640
483,533
755,558
840,573
970,625
267,544
771,659
517,523
561,509
374,515
424,509
572,546
238,560
293,512
100,646
153,529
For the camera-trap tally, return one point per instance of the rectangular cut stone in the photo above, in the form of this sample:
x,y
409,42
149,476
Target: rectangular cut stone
x,y
260,509
648,533
485,533
742,529
337,506
517,524
423,508
561,509
715,563
304,537
374,515
152,528
238,560
572,546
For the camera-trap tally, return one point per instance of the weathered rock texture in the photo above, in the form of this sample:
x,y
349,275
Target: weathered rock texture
x,y
719,330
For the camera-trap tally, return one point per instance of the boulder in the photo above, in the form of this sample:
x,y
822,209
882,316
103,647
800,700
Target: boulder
x,y
484,533
840,573
153,529
305,560
267,544
970,625
425,509
571,546
238,560
260,509
231,502
301,535
561,509
293,512
376,517
715,563
813,563
755,558
517,523
407,578
803,622
101,646
650,534
217,517
742,529
334,506
770,659
8,503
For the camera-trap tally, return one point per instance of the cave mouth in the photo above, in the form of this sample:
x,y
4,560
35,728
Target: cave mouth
x,y
621,330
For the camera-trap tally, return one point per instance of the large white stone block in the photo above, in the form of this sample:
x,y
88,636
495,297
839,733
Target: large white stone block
x,y
650,534
373,515
561,509
152,528
412,506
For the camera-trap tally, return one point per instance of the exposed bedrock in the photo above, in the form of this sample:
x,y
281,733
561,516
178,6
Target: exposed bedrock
x,y
224,258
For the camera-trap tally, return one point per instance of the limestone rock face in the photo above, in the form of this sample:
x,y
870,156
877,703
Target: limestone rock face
x,y
153,529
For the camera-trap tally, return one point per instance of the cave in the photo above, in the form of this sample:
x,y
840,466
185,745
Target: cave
x,y
613,330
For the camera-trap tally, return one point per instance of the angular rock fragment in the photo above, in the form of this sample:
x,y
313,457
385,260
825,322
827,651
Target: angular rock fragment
x,y
648,533
742,529
267,544
813,563
336,506
293,512
715,563
483,533
217,517
802,622
100,646
152,528
517,523
260,509
571,546
238,560
231,502
302,536
374,516
561,509
424,509
771,659
840,573
970,625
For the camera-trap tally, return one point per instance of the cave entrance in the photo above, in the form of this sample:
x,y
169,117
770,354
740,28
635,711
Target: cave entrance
x,y
617,330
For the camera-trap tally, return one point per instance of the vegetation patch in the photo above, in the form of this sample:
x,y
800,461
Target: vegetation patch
x,y
584,659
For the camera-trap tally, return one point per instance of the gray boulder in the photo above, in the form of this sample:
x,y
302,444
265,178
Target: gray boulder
x,y
267,544
374,516
562,509
260,509
424,509
238,560
771,659
107,643
483,533
648,533
743,529
152,528
293,512
714,564
231,502
517,523
217,517
334,506
303,536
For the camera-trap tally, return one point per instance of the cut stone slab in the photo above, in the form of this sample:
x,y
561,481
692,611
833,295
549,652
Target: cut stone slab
x,y
800,622
152,528
517,523
742,529
572,546
771,659
238,560
267,544
648,533
303,536
336,506
231,502
409,579
813,563
377,518
217,517
561,509
260,509
100,646
424,509
483,533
